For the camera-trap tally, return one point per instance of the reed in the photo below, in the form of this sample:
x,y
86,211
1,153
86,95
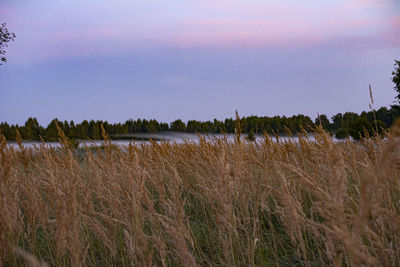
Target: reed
x,y
213,202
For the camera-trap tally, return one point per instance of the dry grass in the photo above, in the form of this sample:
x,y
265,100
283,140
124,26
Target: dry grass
x,y
208,203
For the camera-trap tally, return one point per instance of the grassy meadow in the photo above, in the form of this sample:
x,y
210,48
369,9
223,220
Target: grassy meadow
x,y
208,203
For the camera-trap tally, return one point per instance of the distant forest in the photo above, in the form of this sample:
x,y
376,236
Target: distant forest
x,y
340,125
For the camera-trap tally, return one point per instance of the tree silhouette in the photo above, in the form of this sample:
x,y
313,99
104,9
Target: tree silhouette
x,y
5,38
396,78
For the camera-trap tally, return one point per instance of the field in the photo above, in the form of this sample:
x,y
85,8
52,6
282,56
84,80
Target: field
x,y
212,202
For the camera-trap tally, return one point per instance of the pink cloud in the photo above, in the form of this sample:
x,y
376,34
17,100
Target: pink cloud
x,y
254,9
275,32
223,33
212,23
396,23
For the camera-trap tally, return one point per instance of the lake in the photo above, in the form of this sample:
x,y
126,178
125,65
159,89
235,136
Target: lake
x,y
143,138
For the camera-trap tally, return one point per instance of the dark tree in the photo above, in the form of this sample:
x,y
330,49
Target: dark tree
x,y
250,135
323,121
51,130
94,130
164,126
32,130
396,78
178,126
5,130
360,127
5,38
342,133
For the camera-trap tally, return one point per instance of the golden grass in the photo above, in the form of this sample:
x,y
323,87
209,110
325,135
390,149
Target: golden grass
x,y
208,203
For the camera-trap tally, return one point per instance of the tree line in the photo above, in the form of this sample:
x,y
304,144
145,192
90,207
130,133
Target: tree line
x,y
340,125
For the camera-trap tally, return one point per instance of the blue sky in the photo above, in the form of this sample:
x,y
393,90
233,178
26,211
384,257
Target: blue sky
x,y
119,59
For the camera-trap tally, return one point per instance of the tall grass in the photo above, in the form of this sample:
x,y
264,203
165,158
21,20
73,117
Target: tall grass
x,y
211,202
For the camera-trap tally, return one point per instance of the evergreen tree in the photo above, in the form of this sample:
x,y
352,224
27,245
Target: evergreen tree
x,y
83,130
51,130
31,130
178,126
72,130
5,130
164,126
94,130
12,134
396,79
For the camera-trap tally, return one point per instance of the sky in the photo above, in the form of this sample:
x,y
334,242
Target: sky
x,y
166,59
